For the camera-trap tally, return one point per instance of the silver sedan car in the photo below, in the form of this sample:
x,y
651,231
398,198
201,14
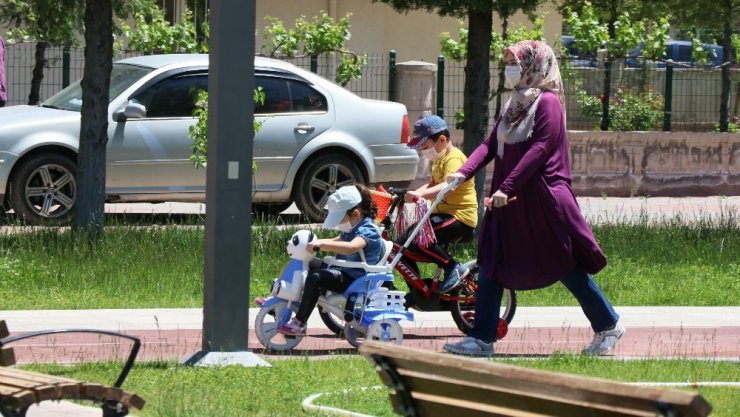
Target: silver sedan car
x,y
315,138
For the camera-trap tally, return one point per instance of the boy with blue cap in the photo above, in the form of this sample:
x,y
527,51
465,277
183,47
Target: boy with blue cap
x,y
456,216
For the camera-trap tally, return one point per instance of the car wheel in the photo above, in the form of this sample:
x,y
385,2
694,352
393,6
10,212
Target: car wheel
x,y
44,188
319,179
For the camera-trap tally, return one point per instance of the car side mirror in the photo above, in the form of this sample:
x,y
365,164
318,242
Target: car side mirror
x,y
130,111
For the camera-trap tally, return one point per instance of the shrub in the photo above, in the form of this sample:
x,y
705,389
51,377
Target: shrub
x,y
628,109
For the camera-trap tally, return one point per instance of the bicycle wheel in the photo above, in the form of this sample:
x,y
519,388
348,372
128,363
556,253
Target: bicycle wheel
x,y
332,322
462,304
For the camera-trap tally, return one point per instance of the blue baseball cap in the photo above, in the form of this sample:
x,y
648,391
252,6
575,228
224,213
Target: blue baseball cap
x,y
426,126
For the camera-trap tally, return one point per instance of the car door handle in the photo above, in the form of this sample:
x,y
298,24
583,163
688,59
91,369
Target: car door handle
x,y
304,128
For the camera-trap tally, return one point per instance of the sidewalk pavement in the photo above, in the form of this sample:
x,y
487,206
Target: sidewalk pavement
x,y
172,334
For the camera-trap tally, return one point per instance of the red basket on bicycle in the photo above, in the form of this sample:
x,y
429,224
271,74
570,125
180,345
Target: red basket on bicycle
x,y
382,201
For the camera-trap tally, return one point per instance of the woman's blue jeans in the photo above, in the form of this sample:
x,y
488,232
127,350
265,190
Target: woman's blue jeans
x,y
599,312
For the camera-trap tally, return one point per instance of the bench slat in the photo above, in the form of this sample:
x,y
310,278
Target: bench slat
x,y
4,329
7,356
133,400
441,406
512,398
17,398
35,376
435,374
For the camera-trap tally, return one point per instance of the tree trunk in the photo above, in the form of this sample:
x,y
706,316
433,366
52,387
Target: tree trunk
x,y
605,119
38,73
724,106
94,124
500,89
477,88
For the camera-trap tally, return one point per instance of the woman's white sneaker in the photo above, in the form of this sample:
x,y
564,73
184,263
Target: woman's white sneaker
x,y
470,346
603,342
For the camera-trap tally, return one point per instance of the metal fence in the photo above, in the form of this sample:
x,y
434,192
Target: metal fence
x,y
63,65
694,94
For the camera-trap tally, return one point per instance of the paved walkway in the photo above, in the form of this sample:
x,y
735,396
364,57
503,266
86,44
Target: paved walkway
x,y
684,332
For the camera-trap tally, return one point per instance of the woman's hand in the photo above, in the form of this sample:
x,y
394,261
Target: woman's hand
x,y
499,199
452,177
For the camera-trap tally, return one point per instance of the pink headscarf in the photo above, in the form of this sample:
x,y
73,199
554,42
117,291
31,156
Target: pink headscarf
x,y
540,72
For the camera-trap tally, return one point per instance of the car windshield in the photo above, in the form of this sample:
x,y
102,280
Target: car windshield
x,y
122,77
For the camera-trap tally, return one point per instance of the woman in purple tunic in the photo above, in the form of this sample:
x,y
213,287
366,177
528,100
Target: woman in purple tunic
x,y
540,237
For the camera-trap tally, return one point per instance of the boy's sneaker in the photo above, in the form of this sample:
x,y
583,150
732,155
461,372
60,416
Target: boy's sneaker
x,y
470,346
292,328
453,278
604,342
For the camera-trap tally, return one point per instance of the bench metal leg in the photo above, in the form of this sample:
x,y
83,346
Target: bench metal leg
x,y
408,406
7,411
114,409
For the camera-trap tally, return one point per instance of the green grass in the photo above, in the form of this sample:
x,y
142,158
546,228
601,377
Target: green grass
x,y
171,390
678,263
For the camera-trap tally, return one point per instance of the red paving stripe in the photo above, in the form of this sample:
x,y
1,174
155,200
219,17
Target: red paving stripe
x,y
710,343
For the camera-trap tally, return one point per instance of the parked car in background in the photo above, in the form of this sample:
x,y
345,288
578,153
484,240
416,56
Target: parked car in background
x,y
576,57
680,52
315,138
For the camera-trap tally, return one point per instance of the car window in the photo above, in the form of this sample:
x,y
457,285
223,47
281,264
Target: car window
x,y
284,96
305,98
173,97
122,77
277,96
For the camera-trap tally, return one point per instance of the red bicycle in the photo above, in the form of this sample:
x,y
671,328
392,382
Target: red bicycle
x,y
422,294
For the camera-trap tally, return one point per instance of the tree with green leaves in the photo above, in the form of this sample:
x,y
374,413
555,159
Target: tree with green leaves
x,y
457,51
153,34
54,22
479,14
611,25
320,35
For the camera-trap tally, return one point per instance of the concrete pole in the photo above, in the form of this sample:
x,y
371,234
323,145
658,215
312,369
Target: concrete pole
x,y
228,187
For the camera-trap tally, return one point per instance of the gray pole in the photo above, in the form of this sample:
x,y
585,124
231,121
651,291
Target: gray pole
x,y
228,186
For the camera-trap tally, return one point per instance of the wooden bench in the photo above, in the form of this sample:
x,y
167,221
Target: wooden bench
x,y
20,389
433,384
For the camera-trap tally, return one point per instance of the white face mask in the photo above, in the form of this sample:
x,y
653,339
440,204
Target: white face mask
x,y
345,227
512,76
430,154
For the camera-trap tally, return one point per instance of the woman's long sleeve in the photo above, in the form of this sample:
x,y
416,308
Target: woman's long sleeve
x,y
481,156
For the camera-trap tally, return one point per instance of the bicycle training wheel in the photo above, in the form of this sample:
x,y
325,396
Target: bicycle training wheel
x,y
462,302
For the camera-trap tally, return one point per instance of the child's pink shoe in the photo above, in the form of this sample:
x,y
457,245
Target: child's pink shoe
x,y
292,328
260,301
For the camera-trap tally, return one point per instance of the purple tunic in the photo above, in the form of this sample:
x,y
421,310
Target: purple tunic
x,y
536,240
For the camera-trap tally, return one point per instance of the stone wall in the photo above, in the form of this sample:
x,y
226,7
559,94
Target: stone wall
x,y
655,163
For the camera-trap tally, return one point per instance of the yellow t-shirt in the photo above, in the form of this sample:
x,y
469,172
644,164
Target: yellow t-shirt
x,y
463,202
